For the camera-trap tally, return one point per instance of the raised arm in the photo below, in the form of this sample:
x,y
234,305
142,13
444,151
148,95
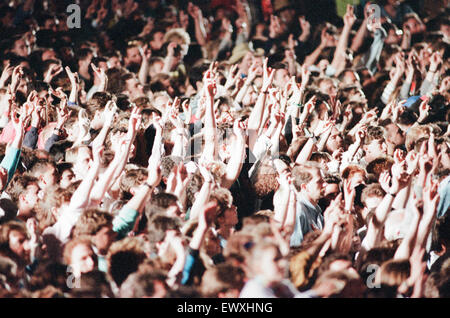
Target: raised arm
x,y
197,16
203,196
375,227
210,149
236,161
256,116
81,196
338,62
74,82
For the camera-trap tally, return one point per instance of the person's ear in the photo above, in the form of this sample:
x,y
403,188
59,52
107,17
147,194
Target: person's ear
x,y
23,198
303,186
42,179
54,212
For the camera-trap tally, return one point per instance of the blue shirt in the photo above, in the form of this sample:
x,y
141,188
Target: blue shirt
x,y
308,217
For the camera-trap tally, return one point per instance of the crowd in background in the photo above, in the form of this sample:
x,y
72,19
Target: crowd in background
x,y
234,148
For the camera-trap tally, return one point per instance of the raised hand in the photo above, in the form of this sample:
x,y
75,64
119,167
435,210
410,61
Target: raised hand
x,y
349,17
7,72
306,28
17,75
73,77
268,75
412,160
134,122
424,109
52,71
63,114
349,194
232,77
384,180
109,113
435,61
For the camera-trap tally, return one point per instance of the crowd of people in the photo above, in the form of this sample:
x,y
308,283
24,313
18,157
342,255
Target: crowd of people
x,y
239,148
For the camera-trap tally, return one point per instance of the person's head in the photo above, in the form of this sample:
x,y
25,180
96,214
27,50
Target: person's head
x,y
24,190
14,241
394,134
98,225
393,273
180,37
164,203
130,182
379,165
159,226
267,262
332,189
339,284
156,39
132,87
309,180
349,77
441,235
95,107
84,57
327,86
124,258
132,57
226,216
372,195
335,141
375,143
155,67
281,76
45,172
355,174
413,23
19,46
335,262
79,255
222,281
80,157
145,284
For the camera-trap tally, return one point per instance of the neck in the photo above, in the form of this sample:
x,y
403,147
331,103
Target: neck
x,y
307,196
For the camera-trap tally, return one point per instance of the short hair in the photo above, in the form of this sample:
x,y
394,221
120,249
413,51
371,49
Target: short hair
x,y
142,284
374,133
160,202
265,180
91,221
179,33
159,224
378,165
40,166
393,272
98,101
132,178
373,189
353,169
6,228
167,164
19,184
407,118
303,174
124,258
68,248
223,198
221,278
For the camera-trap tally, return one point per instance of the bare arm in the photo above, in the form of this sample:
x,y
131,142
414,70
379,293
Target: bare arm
x,y
339,56
236,161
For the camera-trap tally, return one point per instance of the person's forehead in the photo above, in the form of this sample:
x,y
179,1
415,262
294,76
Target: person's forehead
x,y
81,249
133,49
17,235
